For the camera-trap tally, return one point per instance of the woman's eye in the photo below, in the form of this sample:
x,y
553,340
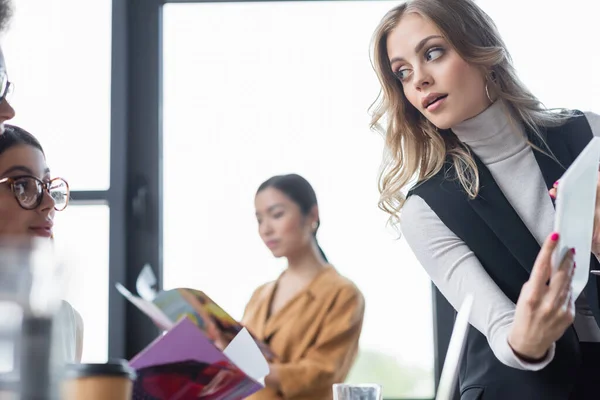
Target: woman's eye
x,y
278,215
22,186
434,54
402,74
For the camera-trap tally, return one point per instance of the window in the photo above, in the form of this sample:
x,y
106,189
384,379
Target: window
x,y
560,66
58,55
257,89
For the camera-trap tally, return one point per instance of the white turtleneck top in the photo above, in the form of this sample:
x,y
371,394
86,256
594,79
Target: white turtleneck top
x,y
453,267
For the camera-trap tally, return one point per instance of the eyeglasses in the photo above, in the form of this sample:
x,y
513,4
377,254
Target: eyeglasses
x,y
6,87
29,191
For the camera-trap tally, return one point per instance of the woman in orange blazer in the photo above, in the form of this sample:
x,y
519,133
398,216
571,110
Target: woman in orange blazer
x,y
311,317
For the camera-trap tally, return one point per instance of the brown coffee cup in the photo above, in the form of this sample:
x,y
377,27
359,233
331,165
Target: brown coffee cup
x,y
112,380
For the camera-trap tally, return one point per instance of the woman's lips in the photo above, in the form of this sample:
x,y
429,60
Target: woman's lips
x,y
42,231
272,243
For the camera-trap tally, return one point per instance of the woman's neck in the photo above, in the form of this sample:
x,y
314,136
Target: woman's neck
x,y
306,263
494,135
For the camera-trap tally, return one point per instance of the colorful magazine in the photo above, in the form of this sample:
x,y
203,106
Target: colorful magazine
x,y
165,308
184,362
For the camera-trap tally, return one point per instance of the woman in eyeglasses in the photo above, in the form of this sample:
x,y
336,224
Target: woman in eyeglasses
x,y
29,199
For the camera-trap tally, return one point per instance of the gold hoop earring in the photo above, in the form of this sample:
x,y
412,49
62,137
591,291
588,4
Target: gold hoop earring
x,y
487,93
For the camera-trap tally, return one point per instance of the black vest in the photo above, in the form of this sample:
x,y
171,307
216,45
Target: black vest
x,y
507,250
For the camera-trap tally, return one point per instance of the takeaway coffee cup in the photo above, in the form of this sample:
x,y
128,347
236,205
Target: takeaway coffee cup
x,y
112,380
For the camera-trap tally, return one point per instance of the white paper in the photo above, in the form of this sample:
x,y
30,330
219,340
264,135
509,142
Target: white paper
x,y
245,353
145,282
575,206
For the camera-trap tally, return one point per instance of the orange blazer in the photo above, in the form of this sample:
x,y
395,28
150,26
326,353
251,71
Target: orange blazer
x,y
315,335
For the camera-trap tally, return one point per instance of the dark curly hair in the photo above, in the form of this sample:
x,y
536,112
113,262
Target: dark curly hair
x,y
15,136
6,12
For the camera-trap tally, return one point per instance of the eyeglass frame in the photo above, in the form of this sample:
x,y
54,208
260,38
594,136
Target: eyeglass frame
x,y
9,87
11,180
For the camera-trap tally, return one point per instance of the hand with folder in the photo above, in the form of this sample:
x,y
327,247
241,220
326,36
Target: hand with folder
x,y
544,311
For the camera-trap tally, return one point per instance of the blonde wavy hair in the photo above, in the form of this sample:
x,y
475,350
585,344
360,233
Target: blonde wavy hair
x,y
414,148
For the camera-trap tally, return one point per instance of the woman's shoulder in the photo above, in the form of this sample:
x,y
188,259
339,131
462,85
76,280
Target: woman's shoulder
x,y
594,121
417,217
70,317
66,312
571,115
69,331
574,117
335,282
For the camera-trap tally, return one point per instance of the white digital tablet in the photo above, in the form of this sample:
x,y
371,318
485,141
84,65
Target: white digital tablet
x,y
574,221
456,348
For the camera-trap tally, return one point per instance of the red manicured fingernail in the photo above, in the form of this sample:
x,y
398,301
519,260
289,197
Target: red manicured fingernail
x,y
573,250
556,183
552,195
574,265
554,236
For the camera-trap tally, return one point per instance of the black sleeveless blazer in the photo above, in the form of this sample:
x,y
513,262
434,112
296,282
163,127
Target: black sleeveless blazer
x,y
507,250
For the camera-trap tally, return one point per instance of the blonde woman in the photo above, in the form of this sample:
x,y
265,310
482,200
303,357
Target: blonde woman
x,y
485,154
